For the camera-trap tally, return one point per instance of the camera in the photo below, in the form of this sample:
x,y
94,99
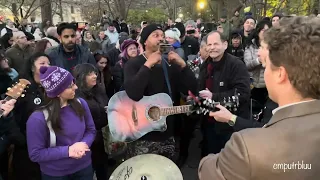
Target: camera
x,y
165,48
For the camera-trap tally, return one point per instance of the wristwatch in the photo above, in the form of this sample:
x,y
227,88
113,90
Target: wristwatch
x,y
232,121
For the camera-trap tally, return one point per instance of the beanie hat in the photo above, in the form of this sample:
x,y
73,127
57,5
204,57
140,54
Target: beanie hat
x,y
249,17
181,28
147,31
173,33
55,80
127,43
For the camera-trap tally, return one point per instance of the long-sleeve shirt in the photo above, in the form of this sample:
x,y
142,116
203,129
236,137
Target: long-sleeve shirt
x,y
141,81
55,161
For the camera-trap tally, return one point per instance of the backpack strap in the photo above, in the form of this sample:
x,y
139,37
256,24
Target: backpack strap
x,y
53,137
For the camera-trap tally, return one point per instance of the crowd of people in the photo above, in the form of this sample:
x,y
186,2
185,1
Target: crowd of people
x,y
55,130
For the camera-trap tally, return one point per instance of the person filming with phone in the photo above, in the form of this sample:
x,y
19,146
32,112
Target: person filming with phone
x,y
149,74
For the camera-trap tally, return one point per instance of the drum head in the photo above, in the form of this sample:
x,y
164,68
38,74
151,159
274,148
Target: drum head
x,y
147,167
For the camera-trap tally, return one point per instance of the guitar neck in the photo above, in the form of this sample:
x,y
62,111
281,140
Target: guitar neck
x,y
1,110
176,110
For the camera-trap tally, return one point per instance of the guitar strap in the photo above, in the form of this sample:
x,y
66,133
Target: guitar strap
x,y
166,76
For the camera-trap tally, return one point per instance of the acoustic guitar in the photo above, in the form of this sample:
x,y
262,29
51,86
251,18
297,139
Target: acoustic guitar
x,y
130,120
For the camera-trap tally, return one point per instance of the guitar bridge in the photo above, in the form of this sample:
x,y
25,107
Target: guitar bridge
x,y
134,115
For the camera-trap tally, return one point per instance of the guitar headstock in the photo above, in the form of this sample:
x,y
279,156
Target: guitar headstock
x,y
18,88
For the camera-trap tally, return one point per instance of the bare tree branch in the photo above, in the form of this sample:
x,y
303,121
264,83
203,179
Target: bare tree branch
x,y
109,7
31,5
127,9
21,4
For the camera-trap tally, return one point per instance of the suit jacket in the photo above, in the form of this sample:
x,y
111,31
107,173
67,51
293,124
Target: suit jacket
x,y
291,136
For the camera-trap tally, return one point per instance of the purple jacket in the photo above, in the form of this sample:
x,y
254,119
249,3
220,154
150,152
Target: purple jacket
x,y
55,161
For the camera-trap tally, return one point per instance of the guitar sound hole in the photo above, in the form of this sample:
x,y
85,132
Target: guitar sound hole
x,y
154,113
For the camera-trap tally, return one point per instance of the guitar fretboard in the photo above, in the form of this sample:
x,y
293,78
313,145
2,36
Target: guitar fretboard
x,y
175,110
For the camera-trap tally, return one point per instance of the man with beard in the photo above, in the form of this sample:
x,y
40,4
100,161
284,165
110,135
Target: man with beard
x,y
145,76
69,54
221,76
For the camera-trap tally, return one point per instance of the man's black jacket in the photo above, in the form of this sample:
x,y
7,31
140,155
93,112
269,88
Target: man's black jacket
x,y
229,75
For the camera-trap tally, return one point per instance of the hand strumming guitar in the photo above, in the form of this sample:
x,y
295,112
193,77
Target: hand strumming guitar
x,y
7,106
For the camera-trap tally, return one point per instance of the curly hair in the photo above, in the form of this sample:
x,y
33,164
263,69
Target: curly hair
x,y
295,45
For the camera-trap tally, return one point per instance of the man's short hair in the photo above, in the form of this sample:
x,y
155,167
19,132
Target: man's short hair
x,y
203,42
295,45
222,37
64,26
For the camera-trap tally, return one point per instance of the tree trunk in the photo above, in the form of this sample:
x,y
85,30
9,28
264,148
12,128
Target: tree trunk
x,y
265,8
46,10
122,9
60,10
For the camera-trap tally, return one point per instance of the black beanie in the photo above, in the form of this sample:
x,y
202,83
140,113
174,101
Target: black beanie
x,y
147,31
249,17
181,28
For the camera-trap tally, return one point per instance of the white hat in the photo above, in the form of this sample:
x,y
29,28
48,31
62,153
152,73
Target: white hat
x,y
178,20
37,37
173,33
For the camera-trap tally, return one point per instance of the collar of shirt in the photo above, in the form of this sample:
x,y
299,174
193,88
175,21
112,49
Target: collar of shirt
x,y
278,108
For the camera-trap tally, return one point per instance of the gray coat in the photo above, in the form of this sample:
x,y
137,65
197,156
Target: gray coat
x,y
254,66
105,44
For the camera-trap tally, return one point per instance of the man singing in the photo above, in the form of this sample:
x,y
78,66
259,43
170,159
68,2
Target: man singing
x,y
288,146
145,76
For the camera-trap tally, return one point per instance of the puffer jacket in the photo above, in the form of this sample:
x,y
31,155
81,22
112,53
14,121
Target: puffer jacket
x,y
254,66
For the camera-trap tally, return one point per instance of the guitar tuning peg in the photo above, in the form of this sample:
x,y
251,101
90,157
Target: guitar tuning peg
x,y
9,88
205,112
22,95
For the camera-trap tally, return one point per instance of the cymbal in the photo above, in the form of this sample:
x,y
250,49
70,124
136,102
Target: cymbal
x,y
147,167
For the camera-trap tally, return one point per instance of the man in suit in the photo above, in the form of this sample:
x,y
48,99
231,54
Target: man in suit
x,y
288,145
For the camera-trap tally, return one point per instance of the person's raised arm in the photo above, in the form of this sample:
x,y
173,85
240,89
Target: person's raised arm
x,y
136,77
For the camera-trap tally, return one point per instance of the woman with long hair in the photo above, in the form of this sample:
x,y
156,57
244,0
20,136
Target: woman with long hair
x,y
7,40
129,50
105,78
34,98
7,74
59,134
251,59
91,91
